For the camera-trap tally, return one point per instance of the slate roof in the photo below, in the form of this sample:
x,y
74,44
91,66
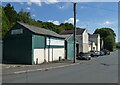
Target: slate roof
x,y
78,37
93,35
78,32
41,31
67,36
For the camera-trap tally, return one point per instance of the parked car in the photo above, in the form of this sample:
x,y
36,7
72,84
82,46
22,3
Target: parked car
x,y
101,53
106,52
83,56
94,53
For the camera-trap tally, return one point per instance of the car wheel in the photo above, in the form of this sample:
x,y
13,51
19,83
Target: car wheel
x,y
92,55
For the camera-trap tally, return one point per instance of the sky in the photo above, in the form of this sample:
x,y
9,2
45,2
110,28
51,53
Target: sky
x,y
90,15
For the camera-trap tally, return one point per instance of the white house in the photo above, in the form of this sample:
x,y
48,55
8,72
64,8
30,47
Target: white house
x,y
92,46
95,41
82,38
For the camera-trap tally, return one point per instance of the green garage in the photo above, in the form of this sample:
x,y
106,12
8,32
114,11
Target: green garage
x,y
26,44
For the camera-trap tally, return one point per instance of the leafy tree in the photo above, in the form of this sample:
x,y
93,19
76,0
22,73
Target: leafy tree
x,y
118,45
5,24
10,16
39,21
0,22
24,17
50,26
108,36
10,13
109,43
67,26
104,32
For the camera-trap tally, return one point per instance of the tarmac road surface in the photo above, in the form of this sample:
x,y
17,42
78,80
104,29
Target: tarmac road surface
x,y
103,69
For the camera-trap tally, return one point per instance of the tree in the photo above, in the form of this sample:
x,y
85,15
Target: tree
x,y
5,24
0,22
109,43
10,16
108,36
104,32
118,45
24,17
67,26
10,13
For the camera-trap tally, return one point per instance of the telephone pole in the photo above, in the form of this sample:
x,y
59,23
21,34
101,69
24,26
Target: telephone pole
x,y
74,33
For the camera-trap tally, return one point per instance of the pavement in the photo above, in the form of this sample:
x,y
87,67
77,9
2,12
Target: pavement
x,y
10,69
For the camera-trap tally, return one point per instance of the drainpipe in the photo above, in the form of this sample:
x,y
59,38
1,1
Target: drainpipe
x,y
49,51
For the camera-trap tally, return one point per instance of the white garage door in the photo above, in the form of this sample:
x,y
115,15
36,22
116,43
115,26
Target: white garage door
x,y
38,56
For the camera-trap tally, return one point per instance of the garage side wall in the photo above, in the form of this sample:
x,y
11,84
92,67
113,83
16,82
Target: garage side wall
x,y
17,46
55,49
47,49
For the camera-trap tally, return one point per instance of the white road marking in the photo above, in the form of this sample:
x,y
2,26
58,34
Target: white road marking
x,y
19,72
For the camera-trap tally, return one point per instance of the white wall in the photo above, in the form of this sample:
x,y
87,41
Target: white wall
x,y
50,55
39,54
54,54
98,45
97,41
55,42
85,43
90,46
94,46
85,37
85,47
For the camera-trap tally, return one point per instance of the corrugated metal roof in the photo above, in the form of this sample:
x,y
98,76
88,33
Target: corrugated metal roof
x,y
38,30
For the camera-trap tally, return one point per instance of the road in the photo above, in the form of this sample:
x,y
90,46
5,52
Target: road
x,y
99,70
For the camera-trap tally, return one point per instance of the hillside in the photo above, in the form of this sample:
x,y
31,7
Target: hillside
x,y
10,17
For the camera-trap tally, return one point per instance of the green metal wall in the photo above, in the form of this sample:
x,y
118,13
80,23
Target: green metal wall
x,y
18,48
38,41
70,48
